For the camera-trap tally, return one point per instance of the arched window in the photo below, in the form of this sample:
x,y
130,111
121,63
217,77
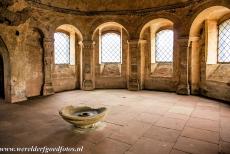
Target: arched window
x,y
224,42
164,46
61,48
111,48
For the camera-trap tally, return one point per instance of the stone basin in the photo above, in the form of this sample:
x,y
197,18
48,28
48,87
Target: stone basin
x,y
82,117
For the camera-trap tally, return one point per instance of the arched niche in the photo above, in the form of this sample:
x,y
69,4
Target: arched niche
x,y
6,67
203,45
109,74
69,76
158,75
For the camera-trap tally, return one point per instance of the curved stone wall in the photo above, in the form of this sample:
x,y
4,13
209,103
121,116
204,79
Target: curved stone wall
x,y
29,26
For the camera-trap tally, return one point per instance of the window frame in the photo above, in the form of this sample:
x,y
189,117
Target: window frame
x,y
103,33
159,30
223,20
68,34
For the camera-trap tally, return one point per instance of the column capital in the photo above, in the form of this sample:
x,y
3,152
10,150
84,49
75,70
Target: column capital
x,y
183,41
133,41
48,39
88,44
194,38
136,42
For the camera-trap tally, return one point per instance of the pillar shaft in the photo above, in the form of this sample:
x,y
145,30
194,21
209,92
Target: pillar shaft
x,y
136,66
48,58
183,87
88,65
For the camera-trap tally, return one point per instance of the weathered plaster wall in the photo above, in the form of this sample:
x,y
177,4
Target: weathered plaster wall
x,y
34,63
27,29
92,5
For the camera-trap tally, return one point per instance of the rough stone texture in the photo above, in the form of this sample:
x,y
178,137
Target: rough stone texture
x,y
111,75
27,29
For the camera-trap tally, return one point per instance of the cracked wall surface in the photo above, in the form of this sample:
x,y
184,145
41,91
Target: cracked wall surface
x,y
27,28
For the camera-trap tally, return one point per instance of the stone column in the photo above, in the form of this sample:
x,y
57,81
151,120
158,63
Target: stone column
x,y
183,87
88,76
195,65
48,45
136,64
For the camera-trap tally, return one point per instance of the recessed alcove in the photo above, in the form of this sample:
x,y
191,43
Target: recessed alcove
x,y
161,68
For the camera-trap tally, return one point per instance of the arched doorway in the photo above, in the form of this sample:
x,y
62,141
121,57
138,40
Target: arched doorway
x,y
2,93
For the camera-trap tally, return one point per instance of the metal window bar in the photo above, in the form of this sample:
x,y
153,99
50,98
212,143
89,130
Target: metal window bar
x,y
62,48
224,42
111,48
164,46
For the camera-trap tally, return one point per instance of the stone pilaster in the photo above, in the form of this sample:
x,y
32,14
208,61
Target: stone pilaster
x,y
136,68
88,82
48,45
183,87
194,65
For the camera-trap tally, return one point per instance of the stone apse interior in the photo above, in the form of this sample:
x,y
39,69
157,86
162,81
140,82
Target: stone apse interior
x,y
50,49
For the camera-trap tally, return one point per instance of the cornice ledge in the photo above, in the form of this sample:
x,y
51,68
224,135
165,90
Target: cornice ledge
x,y
139,12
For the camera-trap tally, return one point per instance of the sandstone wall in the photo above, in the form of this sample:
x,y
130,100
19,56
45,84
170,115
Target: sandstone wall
x,y
27,28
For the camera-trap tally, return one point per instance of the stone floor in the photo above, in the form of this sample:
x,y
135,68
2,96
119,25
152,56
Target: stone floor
x,y
144,122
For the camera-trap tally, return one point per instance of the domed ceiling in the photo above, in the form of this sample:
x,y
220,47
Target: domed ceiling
x,y
109,5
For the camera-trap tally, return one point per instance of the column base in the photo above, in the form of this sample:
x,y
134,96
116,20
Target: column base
x,y
48,89
183,90
134,85
88,85
16,99
195,89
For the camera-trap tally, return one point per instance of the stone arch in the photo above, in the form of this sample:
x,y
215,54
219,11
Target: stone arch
x,y
74,67
6,62
212,13
158,23
203,35
115,73
106,24
157,72
69,27
166,16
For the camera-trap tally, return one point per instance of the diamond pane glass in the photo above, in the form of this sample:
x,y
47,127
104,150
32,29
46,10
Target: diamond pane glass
x,y
224,42
111,48
164,46
61,48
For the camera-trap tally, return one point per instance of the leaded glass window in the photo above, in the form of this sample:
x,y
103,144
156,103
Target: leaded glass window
x,y
62,48
224,42
111,48
164,46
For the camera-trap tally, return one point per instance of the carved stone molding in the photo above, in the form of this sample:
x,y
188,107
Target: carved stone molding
x,y
134,85
139,12
48,52
183,41
88,44
183,89
48,89
87,85
48,40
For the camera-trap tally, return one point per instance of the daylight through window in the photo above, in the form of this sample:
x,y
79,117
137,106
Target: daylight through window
x,y
164,46
111,48
62,48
